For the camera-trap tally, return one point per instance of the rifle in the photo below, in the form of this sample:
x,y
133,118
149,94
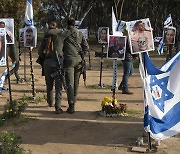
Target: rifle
x,y
60,71
83,70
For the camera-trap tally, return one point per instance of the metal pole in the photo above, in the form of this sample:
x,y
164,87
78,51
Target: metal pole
x,y
24,65
89,61
32,72
149,137
9,81
100,82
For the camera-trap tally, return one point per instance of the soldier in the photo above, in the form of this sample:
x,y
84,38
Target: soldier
x,y
15,57
74,46
47,51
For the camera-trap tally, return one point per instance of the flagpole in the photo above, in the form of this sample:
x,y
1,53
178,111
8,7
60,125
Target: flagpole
x,y
32,72
100,81
9,81
149,136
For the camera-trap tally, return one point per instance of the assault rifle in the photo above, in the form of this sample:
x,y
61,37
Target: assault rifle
x,y
83,70
60,71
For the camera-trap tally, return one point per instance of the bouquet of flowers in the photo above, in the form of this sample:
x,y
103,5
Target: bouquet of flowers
x,y
110,107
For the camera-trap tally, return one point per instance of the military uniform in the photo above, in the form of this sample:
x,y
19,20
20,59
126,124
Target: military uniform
x,y
72,42
50,66
14,55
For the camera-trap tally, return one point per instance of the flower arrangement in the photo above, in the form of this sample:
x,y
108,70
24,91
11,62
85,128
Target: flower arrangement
x,y
10,143
111,108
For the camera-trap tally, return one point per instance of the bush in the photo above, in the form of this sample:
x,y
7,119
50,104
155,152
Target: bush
x,y
10,143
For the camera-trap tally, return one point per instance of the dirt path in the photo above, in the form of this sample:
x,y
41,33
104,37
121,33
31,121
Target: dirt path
x,y
84,132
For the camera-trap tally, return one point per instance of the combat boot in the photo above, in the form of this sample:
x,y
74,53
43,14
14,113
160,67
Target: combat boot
x,y
71,109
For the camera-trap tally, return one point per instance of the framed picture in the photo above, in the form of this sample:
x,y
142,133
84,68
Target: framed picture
x,y
8,24
85,32
2,47
140,36
30,36
21,35
116,47
103,33
169,34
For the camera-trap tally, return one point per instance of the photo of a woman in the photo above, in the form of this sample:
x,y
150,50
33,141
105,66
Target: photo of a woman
x,y
169,35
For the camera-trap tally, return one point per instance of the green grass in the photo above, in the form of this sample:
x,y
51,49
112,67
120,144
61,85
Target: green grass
x,y
135,113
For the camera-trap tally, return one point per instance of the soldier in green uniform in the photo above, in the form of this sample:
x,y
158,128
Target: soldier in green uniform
x,y
14,55
47,51
74,44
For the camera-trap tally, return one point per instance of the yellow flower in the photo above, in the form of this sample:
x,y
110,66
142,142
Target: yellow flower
x,y
4,131
10,110
7,110
11,139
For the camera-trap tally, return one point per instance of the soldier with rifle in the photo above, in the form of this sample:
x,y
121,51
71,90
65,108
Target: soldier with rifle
x,y
74,46
51,58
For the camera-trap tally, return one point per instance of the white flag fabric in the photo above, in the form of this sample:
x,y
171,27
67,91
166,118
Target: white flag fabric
x,y
114,22
168,21
2,79
160,46
28,21
162,98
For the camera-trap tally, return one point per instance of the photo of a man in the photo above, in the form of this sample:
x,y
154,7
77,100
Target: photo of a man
x,y
116,47
8,24
140,36
103,33
30,36
2,47
21,35
169,35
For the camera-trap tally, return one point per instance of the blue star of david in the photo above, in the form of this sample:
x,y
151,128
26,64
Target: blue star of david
x,y
166,94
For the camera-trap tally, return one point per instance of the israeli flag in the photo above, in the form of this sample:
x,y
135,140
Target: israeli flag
x,y
157,39
2,79
162,98
160,46
168,21
114,22
28,21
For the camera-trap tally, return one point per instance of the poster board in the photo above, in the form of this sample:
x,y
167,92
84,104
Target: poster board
x,y
140,36
169,34
30,36
2,47
8,24
116,47
103,34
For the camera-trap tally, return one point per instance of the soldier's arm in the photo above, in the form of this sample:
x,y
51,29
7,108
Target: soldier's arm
x,y
53,32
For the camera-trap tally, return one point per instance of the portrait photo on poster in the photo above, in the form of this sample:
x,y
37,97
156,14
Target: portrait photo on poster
x,y
30,36
140,36
21,35
85,32
8,24
2,47
103,33
116,47
169,35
